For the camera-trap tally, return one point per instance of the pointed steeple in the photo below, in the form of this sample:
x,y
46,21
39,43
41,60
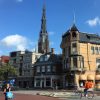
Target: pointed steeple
x,y
43,43
43,21
73,27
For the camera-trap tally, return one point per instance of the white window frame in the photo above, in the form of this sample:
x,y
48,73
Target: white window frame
x,y
43,68
38,69
48,68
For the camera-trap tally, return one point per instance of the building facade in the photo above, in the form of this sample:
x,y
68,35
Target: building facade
x,y
4,60
48,71
23,62
81,58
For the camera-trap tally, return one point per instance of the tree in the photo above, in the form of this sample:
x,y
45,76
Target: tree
x,y
7,70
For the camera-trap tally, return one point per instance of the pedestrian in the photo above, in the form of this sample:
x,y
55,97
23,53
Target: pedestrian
x,y
7,89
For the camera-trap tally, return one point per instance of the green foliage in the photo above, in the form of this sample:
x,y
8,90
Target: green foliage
x,y
7,70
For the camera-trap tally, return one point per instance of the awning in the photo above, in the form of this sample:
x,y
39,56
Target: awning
x,y
82,77
97,77
90,77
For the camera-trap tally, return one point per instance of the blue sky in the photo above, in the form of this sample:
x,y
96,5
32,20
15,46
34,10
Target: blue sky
x,y
20,21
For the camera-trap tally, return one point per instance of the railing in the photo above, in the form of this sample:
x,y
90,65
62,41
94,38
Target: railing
x,y
74,52
78,69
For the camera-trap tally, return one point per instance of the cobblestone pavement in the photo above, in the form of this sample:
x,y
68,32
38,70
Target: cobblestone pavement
x,y
29,97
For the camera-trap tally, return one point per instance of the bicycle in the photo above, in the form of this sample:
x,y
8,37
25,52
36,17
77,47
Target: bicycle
x,y
89,95
77,92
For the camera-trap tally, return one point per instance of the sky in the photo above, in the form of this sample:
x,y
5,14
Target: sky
x,y
20,21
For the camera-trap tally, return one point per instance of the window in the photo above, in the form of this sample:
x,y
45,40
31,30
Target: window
x,y
97,63
75,62
43,68
64,51
74,47
81,59
99,50
74,34
92,50
48,82
38,68
81,83
48,68
41,58
53,68
46,58
37,82
96,50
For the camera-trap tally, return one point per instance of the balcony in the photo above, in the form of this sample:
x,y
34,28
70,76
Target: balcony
x,y
75,69
78,69
74,53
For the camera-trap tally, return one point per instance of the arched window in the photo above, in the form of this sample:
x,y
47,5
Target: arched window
x,y
74,34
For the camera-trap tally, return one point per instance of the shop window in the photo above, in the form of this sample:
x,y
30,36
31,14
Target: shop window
x,y
48,82
82,83
97,63
37,82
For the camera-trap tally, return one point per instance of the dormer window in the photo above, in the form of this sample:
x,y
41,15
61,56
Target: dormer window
x,y
41,58
47,57
74,34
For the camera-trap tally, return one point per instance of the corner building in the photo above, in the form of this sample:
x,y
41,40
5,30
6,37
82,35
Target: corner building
x,y
81,58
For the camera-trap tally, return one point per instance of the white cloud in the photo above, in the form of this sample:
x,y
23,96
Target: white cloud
x,y
51,33
94,22
17,41
19,0
51,43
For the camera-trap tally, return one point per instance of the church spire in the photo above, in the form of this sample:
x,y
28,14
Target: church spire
x,y
43,43
43,21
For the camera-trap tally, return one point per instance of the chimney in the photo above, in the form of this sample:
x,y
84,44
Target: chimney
x,y
52,50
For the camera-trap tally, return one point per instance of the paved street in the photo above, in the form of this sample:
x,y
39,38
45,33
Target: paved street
x,y
31,95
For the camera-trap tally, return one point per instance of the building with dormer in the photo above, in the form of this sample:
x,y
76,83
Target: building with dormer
x,y
48,71
81,58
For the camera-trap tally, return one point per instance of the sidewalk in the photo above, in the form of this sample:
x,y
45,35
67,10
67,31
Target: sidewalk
x,y
50,93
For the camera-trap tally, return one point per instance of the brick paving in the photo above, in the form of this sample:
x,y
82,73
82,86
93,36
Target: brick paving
x,y
29,97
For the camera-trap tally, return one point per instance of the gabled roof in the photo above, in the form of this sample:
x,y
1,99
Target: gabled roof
x,y
53,58
73,28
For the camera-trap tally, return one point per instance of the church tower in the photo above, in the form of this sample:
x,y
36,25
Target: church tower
x,y
43,42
